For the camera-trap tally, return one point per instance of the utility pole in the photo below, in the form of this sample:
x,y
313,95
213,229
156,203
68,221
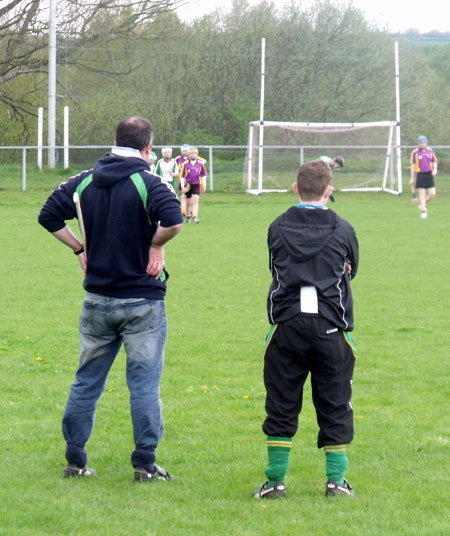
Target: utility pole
x,y
52,85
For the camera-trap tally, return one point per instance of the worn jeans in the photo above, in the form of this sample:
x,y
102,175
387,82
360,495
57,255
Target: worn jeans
x,y
105,323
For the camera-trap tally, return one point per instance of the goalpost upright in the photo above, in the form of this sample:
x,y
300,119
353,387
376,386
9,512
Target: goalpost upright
x,y
261,113
260,189
397,117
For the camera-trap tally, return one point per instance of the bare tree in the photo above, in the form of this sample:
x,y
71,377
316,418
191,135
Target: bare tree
x,y
81,24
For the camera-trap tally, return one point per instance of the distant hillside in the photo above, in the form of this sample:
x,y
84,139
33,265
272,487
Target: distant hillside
x,y
427,39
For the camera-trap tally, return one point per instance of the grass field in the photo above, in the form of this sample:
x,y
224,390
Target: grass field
x,y
212,386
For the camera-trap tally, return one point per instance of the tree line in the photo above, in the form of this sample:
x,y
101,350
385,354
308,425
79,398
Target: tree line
x,y
199,82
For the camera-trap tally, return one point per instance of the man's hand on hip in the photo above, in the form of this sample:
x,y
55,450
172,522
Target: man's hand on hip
x,y
83,262
155,261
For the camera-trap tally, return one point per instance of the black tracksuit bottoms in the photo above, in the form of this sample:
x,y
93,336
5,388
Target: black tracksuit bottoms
x,y
309,343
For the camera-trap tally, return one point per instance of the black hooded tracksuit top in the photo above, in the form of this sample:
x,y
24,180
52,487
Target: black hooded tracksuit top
x,y
312,247
121,216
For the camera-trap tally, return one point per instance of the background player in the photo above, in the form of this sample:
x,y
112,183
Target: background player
x,y
152,162
167,167
193,176
181,159
333,163
423,170
313,256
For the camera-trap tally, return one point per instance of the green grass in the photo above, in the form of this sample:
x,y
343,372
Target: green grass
x,y
213,440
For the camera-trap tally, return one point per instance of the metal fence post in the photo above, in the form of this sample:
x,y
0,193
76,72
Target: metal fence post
x,y
24,169
211,169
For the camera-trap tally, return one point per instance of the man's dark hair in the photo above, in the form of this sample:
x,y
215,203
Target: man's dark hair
x,y
135,132
312,180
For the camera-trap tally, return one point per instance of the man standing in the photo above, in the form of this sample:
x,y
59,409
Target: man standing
x,y
423,170
313,256
129,214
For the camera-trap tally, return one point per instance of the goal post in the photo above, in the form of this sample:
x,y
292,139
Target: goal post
x,y
368,149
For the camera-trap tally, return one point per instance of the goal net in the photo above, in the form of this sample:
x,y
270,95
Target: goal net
x,y
371,159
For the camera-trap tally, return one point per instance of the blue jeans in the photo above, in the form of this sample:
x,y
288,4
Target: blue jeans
x,y
105,323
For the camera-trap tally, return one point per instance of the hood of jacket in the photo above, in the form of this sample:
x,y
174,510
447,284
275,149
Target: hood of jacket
x,y
305,232
112,169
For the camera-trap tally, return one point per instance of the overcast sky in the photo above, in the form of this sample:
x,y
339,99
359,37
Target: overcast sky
x,y
394,15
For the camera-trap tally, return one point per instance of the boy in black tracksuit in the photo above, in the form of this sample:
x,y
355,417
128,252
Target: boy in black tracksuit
x,y
313,256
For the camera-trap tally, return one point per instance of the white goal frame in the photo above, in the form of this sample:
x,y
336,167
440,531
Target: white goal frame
x,y
324,127
261,124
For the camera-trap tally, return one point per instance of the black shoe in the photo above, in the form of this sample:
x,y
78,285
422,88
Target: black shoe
x,y
276,491
142,475
73,470
413,195
333,488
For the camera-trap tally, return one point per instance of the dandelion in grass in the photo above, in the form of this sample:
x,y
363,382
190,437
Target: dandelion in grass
x,y
38,358
109,390
246,396
215,388
204,387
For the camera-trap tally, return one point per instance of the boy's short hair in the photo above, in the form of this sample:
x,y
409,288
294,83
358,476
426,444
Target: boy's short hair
x,y
135,132
312,180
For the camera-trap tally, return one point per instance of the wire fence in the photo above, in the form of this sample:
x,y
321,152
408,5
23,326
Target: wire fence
x,y
24,167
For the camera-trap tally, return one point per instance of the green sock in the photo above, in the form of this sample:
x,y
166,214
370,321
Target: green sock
x,y
336,462
278,449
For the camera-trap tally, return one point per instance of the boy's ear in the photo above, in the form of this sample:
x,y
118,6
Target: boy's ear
x,y
294,187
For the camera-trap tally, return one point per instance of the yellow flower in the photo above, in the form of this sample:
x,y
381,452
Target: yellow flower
x,y
204,388
246,396
215,387
264,507
38,358
109,390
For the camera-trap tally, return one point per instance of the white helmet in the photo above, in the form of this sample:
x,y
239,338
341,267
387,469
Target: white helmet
x,y
166,150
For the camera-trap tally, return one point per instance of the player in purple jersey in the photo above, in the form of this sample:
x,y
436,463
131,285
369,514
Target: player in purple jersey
x,y
423,170
193,177
181,160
